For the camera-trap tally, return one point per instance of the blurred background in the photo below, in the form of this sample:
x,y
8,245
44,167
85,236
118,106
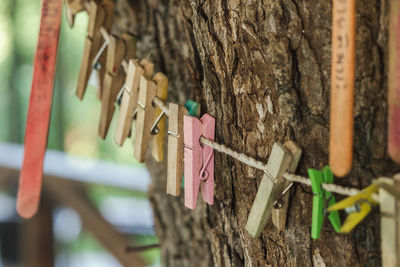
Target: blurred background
x,y
113,184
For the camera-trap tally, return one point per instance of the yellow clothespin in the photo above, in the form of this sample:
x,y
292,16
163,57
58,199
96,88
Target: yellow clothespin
x,y
119,49
72,7
94,53
358,207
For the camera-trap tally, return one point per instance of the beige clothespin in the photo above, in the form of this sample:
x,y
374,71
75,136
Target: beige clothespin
x,y
158,128
270,188
100,15
145,117
175,148
118,50
73,7
279,213
130,97
390,222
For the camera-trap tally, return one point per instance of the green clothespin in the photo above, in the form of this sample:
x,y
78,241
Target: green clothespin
x,y
322,199
193,110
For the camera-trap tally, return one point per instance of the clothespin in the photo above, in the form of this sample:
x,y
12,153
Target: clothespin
x,y
358,207
175,148
270,188
198,159
390,223
394,83
342,87
322,199
281,205
94,53
118,50
145,117
193,108
73,7
130,97
158,128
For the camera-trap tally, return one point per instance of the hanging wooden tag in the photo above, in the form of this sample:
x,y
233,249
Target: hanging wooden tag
x,y
38,119
157,150
394,82
342,87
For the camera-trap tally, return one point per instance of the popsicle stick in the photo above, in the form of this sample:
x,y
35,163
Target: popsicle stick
x,y
175,148
145,117
157,150
342,87
38,119
394,82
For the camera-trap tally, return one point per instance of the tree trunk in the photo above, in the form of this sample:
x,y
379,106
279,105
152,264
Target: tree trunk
x,y
262,69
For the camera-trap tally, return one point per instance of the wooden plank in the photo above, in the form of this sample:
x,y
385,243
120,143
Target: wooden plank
x,y
390,224
342,87
157,150
269,189
175,148
279,215
145,117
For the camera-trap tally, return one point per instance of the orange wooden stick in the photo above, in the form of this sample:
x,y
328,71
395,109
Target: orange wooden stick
x,y
37,125
342,86
394,83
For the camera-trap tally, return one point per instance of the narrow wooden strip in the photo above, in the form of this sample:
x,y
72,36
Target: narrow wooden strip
x,y
38,119
342,87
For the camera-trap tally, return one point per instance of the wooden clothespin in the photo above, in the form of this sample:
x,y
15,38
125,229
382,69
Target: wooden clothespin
x,y
342,87
390,223
199,160
357,206
73,7
175,148
100,15
118,50
270,188
158,128
130,97
279,213
394,83
145,117
322,199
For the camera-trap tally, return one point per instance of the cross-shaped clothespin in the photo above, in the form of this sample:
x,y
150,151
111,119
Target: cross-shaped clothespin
x,y
72,7
198,159
118,50
322,199
94,53
358,207
130,97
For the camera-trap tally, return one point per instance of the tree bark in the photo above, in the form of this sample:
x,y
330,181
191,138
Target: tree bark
x,y
262,69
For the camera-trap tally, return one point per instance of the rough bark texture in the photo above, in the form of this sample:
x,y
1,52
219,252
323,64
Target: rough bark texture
x,y
262,69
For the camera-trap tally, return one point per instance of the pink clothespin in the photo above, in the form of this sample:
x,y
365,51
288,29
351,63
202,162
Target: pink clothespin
x,y
199,160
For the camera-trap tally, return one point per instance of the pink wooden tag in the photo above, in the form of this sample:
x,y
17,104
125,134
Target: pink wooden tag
x,y
199,161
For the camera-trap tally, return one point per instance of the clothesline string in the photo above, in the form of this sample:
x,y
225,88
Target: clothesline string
x,y
241,156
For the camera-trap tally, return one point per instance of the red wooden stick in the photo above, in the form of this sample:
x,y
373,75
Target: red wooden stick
x,y
394,83
39,109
